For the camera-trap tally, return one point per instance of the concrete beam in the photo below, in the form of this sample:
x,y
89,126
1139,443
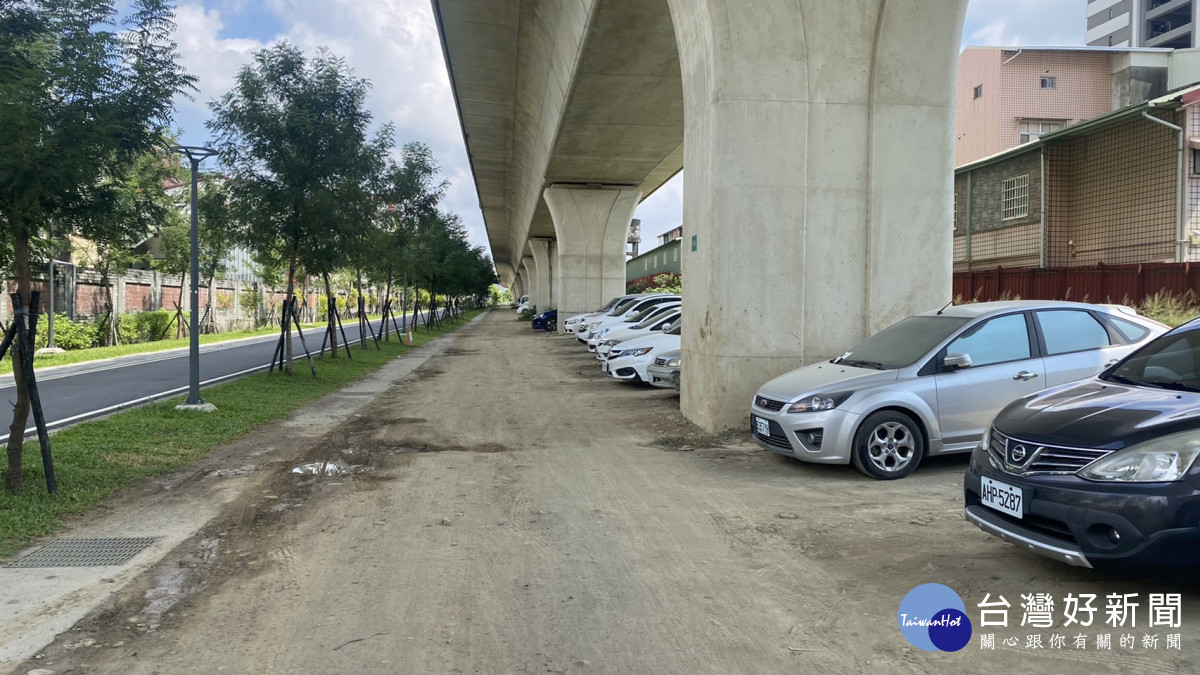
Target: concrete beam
x,y
591,227
507,274
818,186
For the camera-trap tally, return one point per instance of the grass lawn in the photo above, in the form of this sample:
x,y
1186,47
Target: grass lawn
x,y
81,355
94,459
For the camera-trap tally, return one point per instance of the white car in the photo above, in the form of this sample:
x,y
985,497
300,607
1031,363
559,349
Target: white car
x,y
660,317
523,304
573,323
629,360
627,311
619,312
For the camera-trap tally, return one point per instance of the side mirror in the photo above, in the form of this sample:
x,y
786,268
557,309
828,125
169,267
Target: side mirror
x,y
666,326
957,361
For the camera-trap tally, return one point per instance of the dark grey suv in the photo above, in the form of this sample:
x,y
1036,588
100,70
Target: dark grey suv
x,y
1101,472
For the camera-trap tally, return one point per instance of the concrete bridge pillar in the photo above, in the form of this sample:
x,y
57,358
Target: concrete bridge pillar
x,y
818,191
528,279
541,273
591,226
555,271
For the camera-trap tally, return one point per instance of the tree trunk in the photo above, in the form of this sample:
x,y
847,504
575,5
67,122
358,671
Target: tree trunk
x,y
331,318
387,296
111,333
210,326
362,303
14,477
287,319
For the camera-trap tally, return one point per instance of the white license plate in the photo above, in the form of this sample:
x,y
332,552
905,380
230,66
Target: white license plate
x,y
1000,496
604,366
762,426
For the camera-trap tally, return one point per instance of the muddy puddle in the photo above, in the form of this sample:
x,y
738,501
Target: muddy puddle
x,y
329,468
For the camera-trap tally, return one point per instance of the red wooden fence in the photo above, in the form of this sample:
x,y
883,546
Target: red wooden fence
x,y
1099,283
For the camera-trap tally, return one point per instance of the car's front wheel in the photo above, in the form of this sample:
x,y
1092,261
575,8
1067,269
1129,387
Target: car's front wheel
x,y
888,445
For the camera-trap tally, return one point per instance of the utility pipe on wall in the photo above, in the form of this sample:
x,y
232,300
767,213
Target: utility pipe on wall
x,y
1179,190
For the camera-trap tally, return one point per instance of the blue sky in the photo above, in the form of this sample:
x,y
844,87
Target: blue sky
x,y
394,43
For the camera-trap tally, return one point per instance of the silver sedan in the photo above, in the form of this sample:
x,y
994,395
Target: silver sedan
x,y
930,384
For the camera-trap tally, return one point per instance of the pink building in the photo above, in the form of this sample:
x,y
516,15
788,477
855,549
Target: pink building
x,y
1007,96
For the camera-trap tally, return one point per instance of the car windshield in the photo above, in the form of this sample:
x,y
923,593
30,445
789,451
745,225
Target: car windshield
x,y
1169,362
901,344
620,307
649,305
609,305
653,315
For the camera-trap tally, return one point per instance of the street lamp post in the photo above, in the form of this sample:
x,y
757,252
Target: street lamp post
x,y
195,155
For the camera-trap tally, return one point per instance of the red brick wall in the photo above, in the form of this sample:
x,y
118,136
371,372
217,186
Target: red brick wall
x,y
170,296
137,297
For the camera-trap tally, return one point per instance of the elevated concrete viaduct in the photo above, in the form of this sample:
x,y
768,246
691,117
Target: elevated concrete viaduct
x,y
817,197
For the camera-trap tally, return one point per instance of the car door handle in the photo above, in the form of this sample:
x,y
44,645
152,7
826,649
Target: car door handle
x,y
1025,375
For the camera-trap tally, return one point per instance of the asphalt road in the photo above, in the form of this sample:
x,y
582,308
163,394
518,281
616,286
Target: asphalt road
x,y
80,391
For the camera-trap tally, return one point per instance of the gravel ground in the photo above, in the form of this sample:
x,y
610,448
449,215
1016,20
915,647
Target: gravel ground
x,y
508,509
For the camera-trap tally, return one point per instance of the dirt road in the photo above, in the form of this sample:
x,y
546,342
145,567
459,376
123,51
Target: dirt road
x,y
508,511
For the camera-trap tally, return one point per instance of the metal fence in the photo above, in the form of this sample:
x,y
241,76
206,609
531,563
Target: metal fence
x,y
1129,284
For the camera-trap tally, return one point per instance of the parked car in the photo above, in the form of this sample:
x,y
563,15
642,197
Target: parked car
x,y
573,323
623,312
544,320
652,319
929,384
630,360
523,304
1101,472
664,372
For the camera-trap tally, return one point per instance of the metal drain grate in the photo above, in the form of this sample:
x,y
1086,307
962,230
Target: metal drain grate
x,y
84,552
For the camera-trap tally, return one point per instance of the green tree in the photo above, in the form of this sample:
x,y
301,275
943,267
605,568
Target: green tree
x,y
292,133
133,207
408,194
81,100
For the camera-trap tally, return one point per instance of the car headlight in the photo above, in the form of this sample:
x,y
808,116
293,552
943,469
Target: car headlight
x,y
609,343
673,363
640,351
986,442
819,402
600,333
1161,460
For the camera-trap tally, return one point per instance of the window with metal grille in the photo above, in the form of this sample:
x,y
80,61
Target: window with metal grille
x,y
1015,197
1048,82
1031,130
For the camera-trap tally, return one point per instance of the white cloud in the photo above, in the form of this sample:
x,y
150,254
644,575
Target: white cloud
x,y
1041,23
662,211
392,43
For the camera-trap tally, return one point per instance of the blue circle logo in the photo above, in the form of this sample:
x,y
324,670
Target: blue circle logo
x,y
932,617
